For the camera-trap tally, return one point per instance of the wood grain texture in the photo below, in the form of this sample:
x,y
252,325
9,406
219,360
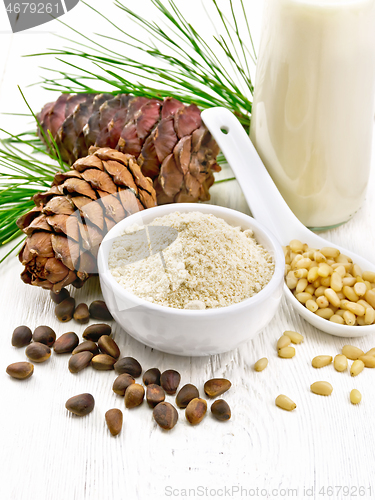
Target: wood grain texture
x,y
46,453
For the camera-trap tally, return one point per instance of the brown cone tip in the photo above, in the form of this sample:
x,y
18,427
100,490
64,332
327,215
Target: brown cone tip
x,y
68,224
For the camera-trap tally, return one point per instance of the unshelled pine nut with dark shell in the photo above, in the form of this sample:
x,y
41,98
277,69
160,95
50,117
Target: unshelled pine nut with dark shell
x,y
152,376
128,365
79,361
21,336
108,346
80,405
66,343
64,310
121,383
99,310
44,335
165,415
154,395
114,419
134,395
221,410
94,332
86,345
186,394
37,352
196,410
81,314
59,297
170,380
21,370
102,362
216,386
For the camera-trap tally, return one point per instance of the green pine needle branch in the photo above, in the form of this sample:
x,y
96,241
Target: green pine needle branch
x,y
174,59
179,62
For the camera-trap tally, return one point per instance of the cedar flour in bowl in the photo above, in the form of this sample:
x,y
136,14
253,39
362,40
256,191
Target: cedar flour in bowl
x,y
191,279
202,263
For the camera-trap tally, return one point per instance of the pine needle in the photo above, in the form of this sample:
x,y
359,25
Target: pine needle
x,y
182,62
24,174
175,59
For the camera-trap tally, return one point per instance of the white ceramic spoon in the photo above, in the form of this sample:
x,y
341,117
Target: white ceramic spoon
x,y
269,208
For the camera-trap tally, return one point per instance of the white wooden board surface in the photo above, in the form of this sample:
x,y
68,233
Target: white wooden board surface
x,y
262,452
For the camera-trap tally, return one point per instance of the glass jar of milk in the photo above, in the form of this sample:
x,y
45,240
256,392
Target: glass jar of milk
x,y
313,109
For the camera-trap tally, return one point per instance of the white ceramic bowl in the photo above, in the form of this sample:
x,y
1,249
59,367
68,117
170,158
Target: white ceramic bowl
x,y
192,332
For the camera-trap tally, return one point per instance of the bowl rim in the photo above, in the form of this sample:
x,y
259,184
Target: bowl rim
x,y
267,290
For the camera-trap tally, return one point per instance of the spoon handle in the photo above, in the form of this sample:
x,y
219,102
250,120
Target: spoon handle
x,y
264,199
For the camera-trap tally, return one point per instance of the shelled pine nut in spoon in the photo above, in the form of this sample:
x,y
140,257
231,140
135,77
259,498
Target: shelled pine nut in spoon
x,y
268,206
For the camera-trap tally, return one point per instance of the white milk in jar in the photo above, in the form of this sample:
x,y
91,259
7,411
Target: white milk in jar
x,y
313,110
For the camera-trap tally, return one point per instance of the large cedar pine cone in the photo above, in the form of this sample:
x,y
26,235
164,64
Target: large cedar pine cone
x,y
172,145
69,221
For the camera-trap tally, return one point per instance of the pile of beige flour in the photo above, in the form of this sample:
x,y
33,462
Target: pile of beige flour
x,y
209,263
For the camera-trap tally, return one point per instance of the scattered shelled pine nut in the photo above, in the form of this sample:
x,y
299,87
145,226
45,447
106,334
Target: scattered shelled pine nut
x,y
285,403
369,361
320,361
352,352
340,362
355,396
284,341
287,352
261,364
295,337
357,367
321,388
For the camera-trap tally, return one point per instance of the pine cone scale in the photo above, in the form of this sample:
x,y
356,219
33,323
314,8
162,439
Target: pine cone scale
x,y
39,244
79,186
40,223
27,218
182,154
186,120
73,101
59,205
147,118
55,270
99,180
57,114
120,174
129,201
165,138
66,224
113,207
170,176
67,251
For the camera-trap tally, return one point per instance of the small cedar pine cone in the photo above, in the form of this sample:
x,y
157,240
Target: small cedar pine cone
x,y
172,145
70,220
